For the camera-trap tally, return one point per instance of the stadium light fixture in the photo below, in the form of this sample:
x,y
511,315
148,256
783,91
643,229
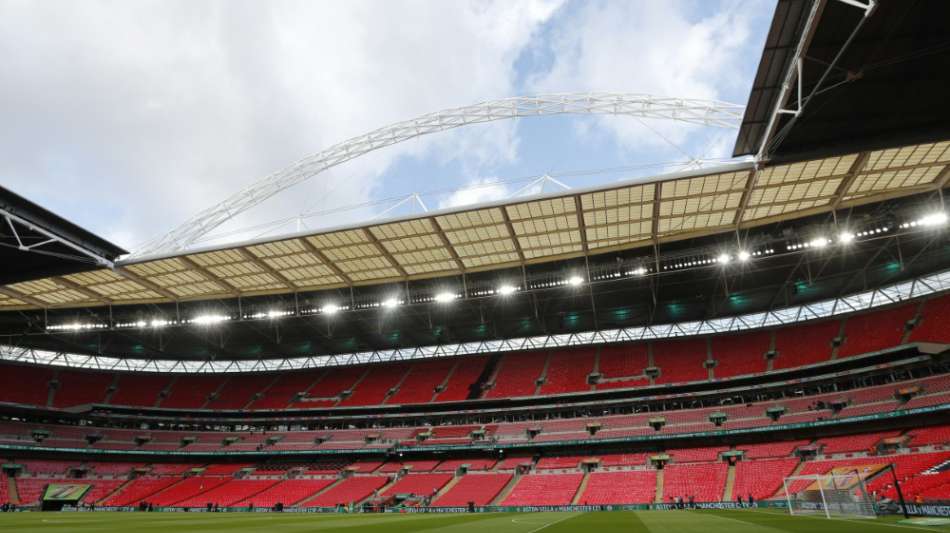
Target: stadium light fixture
x,y
743,256
639,271
209,320
158,323
846,237
445,297
506,290
330,309
575,281
390,303
819,242
938,218
724,259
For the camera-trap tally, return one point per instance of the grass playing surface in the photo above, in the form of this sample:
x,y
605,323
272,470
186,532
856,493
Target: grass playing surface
x,y
709,521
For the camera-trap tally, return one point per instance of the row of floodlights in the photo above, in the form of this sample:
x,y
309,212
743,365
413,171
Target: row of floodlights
x,y
935,219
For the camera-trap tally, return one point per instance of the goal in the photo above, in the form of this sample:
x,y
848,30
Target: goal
x,y
839,494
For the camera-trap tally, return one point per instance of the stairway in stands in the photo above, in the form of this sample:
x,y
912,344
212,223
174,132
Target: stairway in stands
x,y
475,390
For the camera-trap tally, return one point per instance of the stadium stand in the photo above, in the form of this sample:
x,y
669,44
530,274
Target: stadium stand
x,y
544,489
680,361
568,371
517,375
634,486
480,489
351,490
806,344
762,478
288,492
704,482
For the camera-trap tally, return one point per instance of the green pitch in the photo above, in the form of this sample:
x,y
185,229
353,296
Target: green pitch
x,y
606,522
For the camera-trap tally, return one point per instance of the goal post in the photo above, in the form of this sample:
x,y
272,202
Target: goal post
x,y
839,494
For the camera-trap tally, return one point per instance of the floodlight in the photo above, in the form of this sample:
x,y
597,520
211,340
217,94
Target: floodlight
x,y
506,290
390,303
330,309
846,237
208,320
743,256
445,297
819,242
575,281
933,219
723,259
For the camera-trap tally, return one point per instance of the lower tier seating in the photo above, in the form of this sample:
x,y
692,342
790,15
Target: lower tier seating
x,y
606,488
544,489
351,490
762,478
704,482
479,489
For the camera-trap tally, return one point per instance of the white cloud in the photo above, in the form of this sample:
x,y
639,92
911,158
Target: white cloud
x,y
128,117
658,48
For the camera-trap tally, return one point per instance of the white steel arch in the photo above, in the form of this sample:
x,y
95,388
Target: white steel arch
x,y
693,111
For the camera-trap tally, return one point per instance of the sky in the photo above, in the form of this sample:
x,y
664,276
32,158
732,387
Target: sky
x,y
128,117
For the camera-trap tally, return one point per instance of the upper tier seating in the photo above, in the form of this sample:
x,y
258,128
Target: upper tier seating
x,y
238,391
680,360
568,371
804,344
191,391
326,391
376,384
623,366
139,389
605,488
544,489
875,331
351,490
480,489
78,388
281,392
762,478
25,384
705,482
517,375
465,374
932,326
421,382
741,354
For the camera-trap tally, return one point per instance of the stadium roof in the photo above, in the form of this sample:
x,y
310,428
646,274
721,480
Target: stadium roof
x,y
869,79
36,243
500,235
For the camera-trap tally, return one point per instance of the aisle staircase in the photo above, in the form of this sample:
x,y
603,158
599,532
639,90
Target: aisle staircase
x,y
318,493
507,490
658,498
581,489
730,484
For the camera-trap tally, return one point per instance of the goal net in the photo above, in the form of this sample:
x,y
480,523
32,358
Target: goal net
x,y
841,494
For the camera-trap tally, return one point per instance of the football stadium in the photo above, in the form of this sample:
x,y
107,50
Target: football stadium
x,y
761,345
